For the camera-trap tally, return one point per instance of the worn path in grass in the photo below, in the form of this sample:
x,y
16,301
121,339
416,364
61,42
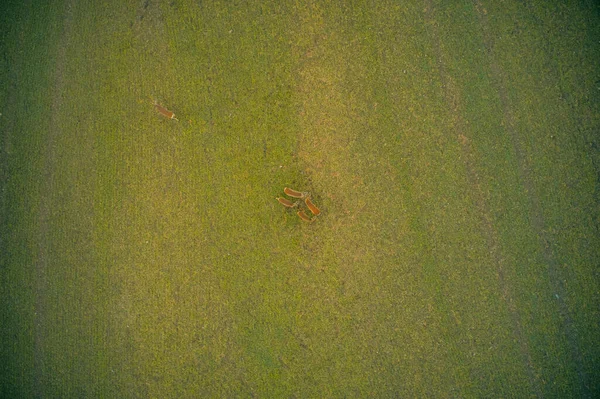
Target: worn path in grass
x,y
457,179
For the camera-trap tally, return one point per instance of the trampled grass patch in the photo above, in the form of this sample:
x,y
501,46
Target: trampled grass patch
x,y
450,148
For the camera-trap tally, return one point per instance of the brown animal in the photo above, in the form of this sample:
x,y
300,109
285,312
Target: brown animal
x,y
287,203
294,193
304,216
164,112
311,206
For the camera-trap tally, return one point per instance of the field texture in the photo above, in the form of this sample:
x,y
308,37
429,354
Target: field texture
x,y
453,148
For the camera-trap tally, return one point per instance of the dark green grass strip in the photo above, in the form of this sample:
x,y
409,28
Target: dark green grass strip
x,y
547,244
28,53
461,133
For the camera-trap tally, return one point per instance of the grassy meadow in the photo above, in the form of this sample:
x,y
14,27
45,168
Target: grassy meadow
x,y
452,147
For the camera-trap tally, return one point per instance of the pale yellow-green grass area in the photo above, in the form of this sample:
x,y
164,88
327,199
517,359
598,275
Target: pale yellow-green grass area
x,y
452,148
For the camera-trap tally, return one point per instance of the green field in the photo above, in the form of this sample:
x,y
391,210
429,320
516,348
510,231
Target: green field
x,y
453,148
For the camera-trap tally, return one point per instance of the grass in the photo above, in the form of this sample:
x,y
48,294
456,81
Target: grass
x,y
452,150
